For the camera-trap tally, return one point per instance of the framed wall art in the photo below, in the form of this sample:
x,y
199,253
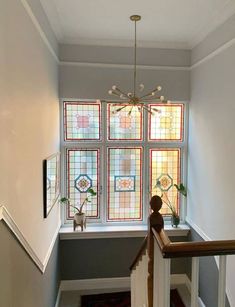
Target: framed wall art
x,y
51,182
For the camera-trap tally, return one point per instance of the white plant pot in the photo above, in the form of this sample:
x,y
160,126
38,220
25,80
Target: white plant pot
x,y
79,220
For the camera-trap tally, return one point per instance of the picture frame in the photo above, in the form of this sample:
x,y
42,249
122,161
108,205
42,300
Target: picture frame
x,y
51,182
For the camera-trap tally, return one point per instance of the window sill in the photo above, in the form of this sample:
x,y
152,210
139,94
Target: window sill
x,y
99,232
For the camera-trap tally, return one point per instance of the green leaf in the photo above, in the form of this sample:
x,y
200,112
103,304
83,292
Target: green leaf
x,y
64,200
181,189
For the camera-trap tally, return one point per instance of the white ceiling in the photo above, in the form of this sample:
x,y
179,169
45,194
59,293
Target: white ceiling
x,y
165,23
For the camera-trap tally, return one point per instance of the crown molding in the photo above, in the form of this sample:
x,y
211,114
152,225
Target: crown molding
x,y
123,66
39,29
124,43
214,53
218,18
8,219
53,18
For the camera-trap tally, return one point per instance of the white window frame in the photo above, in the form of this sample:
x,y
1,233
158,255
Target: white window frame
x,y
103,145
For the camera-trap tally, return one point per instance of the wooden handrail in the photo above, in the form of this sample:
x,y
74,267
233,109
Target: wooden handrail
x,y
140,254
192,249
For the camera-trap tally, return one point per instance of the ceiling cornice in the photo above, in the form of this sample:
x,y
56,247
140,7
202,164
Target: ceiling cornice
x,y
218,18
222,14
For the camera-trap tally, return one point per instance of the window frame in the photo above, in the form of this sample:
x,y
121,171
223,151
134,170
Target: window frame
x,y
103,144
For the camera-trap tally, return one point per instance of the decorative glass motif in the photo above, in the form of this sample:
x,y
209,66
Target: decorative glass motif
x,y
124,184
83,183
81,121
167,123
165,182
83,173
164,173
124,125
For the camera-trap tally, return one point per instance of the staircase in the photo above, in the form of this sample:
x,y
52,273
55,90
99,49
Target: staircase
x,y
150,271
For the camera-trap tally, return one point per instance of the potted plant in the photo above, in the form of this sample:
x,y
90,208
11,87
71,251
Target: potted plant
x,y
175,219
79,218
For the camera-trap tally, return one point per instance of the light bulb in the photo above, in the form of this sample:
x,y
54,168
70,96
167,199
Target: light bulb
x,y
114,87
153,93
122,96
129,94
159,88
141,87
110,92
162,98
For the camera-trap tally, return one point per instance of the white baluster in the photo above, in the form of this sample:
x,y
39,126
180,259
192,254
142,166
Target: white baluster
x,y
133,287
194,282
222,281
161,279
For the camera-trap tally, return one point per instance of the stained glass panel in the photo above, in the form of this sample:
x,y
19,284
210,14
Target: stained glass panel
x,y
167,123
81,121
164,173
124,125
124,184
83,169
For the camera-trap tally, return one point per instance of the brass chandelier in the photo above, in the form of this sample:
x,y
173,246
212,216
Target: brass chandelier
x,y
131,98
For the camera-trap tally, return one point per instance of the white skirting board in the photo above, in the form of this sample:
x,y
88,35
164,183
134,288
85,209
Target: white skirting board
x,y
118,283
95,284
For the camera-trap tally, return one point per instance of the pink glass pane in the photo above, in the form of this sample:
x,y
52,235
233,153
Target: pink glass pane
x,y
167,123
83,173
124,184
164,173
125,124
81,121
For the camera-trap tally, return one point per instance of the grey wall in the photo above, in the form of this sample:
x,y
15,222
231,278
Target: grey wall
x,y
124,55
88,72
104,258
208,276
211,146
21,283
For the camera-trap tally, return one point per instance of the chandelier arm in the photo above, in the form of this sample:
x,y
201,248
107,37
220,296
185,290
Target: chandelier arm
x,y
148,110
152,98
121,108
121,92
150,93
146,95
115,94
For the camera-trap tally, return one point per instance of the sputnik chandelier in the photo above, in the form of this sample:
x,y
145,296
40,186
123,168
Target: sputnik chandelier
x,y
131,99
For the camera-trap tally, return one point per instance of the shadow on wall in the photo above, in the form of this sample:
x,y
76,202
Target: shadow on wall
x,y
208,276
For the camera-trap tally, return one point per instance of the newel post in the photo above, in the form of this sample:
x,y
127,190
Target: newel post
x,y
155,221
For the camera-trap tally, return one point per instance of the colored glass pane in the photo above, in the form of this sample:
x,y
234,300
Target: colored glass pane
x,y
167,123
81,121
164,173
83,174
124,125
124,184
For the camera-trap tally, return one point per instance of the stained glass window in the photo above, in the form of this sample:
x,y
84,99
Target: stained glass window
x,y
124,184
167,123
164,173
124,125
83,173
81,121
